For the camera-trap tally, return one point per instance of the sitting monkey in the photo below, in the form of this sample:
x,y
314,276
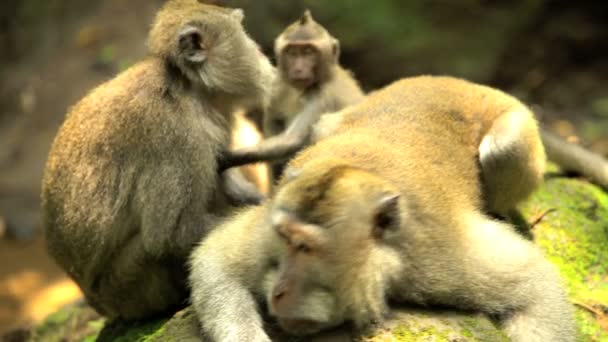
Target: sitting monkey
x,y
132,182
389,206
311,82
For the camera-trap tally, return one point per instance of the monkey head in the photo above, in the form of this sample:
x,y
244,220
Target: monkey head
x,y
336,224
211,49
306,53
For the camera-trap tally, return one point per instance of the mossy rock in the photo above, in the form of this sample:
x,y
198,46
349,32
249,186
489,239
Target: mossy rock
x,y
574,236
573,233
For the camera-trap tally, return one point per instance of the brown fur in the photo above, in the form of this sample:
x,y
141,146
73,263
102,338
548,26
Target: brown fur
x,y
131,182
334,88
390,206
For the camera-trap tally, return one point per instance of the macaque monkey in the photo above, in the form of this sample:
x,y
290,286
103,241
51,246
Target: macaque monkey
x,y
390,206
311,83
311,77
132,180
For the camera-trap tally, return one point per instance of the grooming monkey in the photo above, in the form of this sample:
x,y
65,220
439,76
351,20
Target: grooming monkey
x,y
132,181
311,82
390,206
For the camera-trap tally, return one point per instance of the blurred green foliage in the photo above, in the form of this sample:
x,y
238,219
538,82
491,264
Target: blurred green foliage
x,y
385,39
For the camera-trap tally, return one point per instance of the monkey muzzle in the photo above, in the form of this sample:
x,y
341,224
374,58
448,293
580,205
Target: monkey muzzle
x,y
299,326
302,82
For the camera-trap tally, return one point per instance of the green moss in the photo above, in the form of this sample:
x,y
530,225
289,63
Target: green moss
x,y
444,326
466,333
407,333
53,323
97,324
91,338
575,238
475,329
125,332
74,320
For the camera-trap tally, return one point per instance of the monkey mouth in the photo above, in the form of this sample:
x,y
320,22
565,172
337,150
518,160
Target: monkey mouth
x,y
302,83
299,326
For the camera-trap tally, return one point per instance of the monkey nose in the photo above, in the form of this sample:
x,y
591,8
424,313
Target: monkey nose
x,y
279,291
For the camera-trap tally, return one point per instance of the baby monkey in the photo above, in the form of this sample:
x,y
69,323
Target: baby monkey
x,y
390,206
311,82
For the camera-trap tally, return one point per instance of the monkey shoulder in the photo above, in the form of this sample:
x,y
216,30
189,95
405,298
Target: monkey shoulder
x,y
343,90
247,232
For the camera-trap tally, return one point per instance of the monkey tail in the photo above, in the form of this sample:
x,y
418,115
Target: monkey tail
x,y
571,157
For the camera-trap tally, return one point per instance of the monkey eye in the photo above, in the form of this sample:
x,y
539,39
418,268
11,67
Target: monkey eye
x,y
383,221
303,248
308,51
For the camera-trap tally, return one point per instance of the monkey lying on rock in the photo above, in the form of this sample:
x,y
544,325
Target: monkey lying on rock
x,y
132,181
389,206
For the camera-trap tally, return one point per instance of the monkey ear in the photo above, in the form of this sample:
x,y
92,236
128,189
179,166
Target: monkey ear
x,y
190,42
237,14
335,49
386,215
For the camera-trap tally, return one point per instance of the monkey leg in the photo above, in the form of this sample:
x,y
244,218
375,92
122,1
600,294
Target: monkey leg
x,y
512,160
508,277
135,286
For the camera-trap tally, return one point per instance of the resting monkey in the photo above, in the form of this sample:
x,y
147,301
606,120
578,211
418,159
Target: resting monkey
x,y
390,206
132,181
311,83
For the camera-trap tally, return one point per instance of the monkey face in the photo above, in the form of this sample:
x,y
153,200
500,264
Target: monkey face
x,y
334,225
300,64
301,296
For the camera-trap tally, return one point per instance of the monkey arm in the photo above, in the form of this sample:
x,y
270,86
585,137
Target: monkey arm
x,y
277,147
239,190
571,157
295,137
225,270
226,308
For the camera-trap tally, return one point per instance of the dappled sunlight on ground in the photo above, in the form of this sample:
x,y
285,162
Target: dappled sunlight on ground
x,y
31,285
